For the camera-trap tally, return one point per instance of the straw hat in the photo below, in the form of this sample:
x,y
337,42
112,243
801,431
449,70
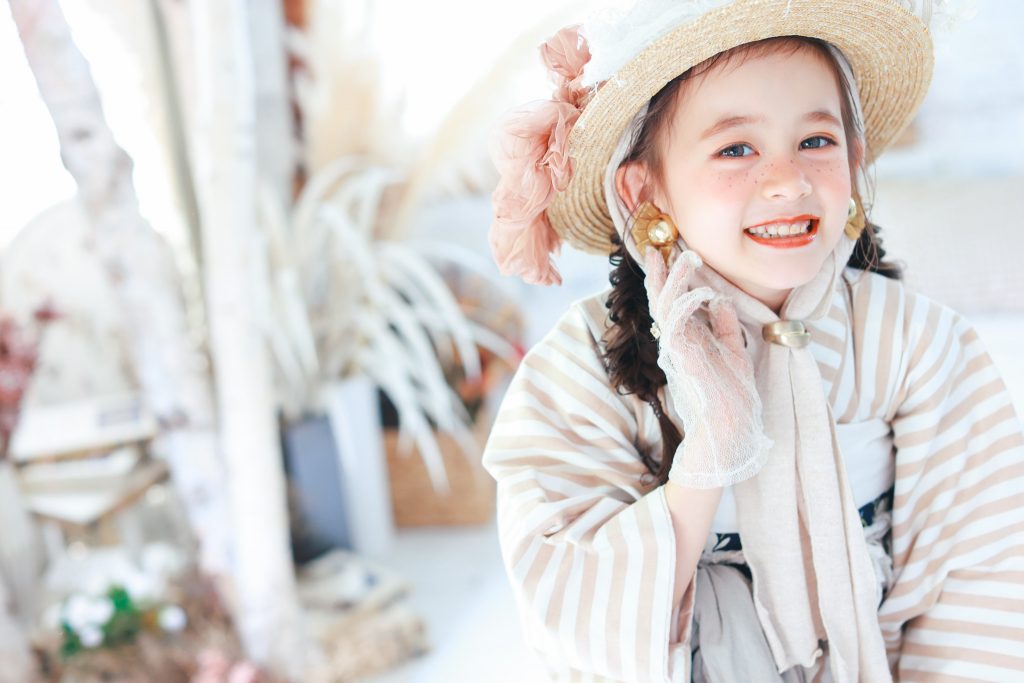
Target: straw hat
x,y
888,47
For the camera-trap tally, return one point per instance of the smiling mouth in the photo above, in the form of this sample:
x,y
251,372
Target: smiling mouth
x,y
785,232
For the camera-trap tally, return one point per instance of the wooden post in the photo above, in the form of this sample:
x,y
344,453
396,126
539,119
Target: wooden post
x,y
225,154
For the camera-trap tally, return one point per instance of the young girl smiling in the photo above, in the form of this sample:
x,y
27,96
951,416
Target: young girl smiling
x,y
757,456
758,141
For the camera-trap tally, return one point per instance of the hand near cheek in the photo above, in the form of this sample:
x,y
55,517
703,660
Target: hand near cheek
x,y
710,376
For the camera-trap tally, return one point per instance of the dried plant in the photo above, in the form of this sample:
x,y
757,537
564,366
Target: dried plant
x,y
339,302
339,297
338,87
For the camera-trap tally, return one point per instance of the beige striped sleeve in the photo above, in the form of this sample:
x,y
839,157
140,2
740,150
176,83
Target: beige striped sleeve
x,y
590,552
956,608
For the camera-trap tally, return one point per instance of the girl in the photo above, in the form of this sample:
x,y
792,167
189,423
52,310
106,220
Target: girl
x,y
757,456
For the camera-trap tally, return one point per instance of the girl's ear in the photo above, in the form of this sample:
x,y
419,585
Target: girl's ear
x,y
631,183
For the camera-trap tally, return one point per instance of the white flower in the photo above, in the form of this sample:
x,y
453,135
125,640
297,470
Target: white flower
x,y
85,611
102,610
172,619
141,587
90,636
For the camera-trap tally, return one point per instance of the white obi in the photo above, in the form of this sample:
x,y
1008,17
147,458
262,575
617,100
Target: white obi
x,y
866,449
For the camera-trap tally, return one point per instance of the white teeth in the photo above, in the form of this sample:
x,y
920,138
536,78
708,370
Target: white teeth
x,y
780,229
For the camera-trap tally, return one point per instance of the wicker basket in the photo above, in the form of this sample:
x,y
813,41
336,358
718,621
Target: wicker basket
x,y
471,498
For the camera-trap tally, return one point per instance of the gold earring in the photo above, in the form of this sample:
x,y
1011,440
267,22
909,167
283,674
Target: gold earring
x,y
653,228
854,220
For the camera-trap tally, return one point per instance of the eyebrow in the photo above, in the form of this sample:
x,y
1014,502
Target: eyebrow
x,y
724,124
823,116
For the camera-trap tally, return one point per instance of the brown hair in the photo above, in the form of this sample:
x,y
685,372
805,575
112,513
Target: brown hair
x,y
631,353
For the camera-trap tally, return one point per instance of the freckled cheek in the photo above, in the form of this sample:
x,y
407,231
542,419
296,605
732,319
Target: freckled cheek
x,y
712,204
724,186
832,186
831,178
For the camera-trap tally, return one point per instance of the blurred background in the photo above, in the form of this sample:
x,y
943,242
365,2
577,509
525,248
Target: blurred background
x,y
252,339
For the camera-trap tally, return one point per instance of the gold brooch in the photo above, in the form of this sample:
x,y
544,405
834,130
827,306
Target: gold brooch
x,y
654,228
791,333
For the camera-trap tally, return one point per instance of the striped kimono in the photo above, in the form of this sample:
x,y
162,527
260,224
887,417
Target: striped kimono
x,y
588,544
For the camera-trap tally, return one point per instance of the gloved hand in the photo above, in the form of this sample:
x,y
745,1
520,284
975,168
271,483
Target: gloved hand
x,y
710,376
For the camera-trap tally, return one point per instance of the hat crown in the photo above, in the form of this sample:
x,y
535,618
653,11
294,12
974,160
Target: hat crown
x,y
618,30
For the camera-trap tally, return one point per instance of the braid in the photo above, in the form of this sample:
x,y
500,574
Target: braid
x,y
631,353
868,254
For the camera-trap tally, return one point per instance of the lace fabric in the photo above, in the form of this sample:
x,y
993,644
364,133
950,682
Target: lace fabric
x,y
709,374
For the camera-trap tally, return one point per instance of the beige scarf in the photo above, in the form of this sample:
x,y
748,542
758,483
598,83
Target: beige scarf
x,y
802,537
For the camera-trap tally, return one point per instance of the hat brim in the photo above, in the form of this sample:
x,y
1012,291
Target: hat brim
x,y
888,48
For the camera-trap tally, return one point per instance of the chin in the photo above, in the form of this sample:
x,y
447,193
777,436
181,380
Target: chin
x,y
790,279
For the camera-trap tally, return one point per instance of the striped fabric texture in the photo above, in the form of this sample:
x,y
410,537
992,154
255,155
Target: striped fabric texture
x,y
587,539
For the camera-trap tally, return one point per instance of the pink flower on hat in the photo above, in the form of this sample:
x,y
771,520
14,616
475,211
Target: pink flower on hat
x,y
565,54
531,154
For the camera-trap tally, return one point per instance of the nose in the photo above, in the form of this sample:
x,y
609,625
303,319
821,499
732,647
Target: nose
x,y
785,179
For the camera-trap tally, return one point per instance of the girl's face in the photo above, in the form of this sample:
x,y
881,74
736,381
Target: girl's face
x,y
757,141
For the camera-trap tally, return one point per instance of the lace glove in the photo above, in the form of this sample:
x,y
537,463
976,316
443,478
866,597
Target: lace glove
x,y
710,376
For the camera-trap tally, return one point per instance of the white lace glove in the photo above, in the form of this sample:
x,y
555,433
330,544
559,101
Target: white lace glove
x,y
710,377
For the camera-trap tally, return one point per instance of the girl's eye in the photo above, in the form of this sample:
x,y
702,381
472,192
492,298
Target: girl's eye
x,y
817,142
736,151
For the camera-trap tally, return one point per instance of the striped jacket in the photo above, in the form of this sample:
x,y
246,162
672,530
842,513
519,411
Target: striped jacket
x,y
589,547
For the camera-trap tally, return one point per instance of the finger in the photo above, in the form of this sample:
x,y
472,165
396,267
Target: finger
x,y
679,275
654,280
726,325
686,303
682,270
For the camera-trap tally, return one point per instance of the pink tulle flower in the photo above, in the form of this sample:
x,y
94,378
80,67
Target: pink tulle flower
x,y
565,54
532,155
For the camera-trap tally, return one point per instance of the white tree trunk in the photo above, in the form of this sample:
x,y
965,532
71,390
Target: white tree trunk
x,y
224,150
15,657
172,372
276,148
